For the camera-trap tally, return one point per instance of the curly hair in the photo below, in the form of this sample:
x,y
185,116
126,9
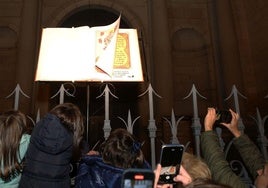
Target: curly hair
x,y
122,150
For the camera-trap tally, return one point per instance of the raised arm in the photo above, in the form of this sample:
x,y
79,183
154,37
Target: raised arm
x,y
214,155
248,150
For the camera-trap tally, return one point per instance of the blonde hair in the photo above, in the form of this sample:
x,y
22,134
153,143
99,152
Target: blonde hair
x,y
195,166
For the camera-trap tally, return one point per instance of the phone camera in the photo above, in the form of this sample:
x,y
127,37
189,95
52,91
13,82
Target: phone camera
x,y
223,116
167,177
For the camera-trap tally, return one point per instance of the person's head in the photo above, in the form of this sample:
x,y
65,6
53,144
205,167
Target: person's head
x,y
205,183
195,166
122,150
71,117
12,127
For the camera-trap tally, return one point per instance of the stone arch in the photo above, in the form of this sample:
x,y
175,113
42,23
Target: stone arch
x,y
188,39
60,13
190,27
93,16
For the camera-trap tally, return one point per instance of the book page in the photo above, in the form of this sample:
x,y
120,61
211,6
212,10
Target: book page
x,y
127,63
105,46
122,52
65,54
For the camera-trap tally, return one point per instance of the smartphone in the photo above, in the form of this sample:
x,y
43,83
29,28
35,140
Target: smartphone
x,y
138,178
170,160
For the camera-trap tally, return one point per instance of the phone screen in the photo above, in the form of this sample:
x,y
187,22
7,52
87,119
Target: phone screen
x,y
170,160
138,178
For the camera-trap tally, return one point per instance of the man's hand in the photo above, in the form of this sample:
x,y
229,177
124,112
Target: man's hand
x,y
233,125
210,119
182,177
157,175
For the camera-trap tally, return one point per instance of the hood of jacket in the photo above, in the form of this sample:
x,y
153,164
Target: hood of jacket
x,y
50,151
50,136
93,172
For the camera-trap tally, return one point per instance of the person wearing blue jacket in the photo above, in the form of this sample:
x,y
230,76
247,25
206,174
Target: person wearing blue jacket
x,y
54,141
105,168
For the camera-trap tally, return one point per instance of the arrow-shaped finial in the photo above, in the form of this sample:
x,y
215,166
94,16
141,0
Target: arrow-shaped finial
x,y
62,91
17,92
235,93
174,126
150,91
129,124
194,93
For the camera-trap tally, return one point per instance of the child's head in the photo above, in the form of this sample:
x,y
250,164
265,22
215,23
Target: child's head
x,y
122,150
195,166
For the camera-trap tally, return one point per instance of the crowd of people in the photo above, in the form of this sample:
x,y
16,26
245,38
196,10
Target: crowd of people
x,y
42,157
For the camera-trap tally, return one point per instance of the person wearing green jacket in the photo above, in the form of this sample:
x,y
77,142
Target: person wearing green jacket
x,y
215,158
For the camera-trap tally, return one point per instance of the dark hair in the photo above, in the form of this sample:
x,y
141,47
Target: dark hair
x,y
12,127
205,183
122,150
71,117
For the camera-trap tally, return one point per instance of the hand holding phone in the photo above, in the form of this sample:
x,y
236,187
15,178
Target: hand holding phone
x,y
138,178
170,160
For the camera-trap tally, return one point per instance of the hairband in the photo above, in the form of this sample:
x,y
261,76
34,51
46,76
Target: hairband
x,y
136,146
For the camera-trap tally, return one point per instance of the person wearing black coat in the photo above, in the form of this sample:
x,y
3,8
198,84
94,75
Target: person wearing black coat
x,y
54,141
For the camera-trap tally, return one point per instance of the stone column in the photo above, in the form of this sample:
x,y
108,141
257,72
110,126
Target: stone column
x,y
221,93
229,52
27,51
161,58
245,51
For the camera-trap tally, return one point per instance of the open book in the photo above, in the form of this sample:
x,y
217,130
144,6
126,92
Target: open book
x,y
102,53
